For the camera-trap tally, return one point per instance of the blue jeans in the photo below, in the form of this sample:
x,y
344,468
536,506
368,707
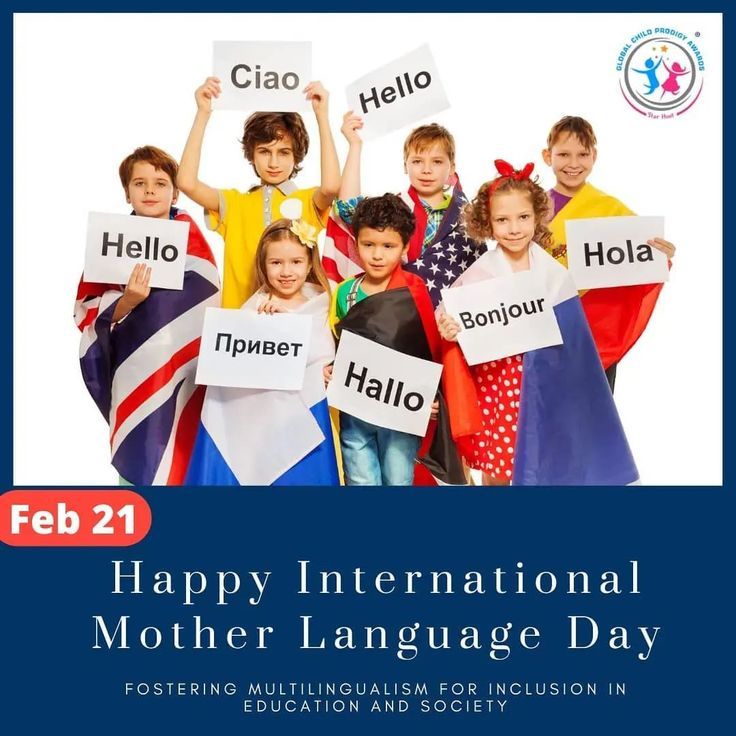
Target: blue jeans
x,y
374,456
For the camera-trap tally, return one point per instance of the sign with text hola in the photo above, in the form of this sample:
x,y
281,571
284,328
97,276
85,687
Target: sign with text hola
x,y
502,317
116,243
383,386
244,349
262,75
398,94
613,251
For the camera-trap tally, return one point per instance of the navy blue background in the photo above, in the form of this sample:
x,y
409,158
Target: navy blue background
x,y
53,679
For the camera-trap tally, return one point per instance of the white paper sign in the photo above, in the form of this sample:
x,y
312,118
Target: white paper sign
x,y
398,94
116,243
502,317
382,386
262,75
245,349
613,251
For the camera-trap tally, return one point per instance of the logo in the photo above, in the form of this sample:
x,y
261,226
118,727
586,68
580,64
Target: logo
x,y
661,72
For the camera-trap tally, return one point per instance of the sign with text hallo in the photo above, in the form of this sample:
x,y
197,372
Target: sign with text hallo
x,y
244,349
262,75
116,243
383,386
613,251
502,317
398,94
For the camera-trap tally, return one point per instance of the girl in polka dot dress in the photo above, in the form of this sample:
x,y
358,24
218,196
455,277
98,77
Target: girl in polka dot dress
x,y
511,210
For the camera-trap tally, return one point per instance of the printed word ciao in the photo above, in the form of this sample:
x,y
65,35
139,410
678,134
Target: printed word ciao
x,y
150,250
615,255
235,346
404,85
242,76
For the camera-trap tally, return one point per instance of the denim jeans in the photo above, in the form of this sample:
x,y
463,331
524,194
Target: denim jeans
x,y
374,456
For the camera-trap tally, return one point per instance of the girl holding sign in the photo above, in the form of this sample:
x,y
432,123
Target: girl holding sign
x,y
545,417
269,437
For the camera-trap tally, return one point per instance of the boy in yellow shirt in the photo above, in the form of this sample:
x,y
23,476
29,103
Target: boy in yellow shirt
x,y
275,143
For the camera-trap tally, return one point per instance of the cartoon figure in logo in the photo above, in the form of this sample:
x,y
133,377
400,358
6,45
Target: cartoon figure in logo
x,y
671,84
651,74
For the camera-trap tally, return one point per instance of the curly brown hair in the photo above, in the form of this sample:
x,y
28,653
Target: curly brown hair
x,y
388,211
477,214
265,127
280,230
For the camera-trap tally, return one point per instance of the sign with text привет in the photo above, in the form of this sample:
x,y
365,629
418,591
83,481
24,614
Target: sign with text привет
x,y
502,317
398,94
116,243
262,75
383,386
613,251
243,349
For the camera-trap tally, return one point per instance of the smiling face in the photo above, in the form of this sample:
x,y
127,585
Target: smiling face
x,y
380,253
274,161
286,267
571,162
150,191
512,220
429,171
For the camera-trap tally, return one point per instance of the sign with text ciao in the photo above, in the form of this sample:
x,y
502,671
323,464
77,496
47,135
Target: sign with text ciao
x,y
383,386
502,317
398,94
613,251
262,75
243,349
116,243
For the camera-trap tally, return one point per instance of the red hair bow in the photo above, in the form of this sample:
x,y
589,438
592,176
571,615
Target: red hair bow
x,y
507,171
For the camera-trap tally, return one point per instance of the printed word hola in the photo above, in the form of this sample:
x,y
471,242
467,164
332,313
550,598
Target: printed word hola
x,y
242,76
405,85
615,255
150,250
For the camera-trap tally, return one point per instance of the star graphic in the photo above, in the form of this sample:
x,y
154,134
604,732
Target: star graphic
x,y
430,284
663,49
467,249
419,263
452,258
450,275
434,268
451,248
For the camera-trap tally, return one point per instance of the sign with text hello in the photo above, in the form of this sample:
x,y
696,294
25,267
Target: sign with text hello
x,y
116,243
244,349
502,317
398,94
613,251
262,75
382,386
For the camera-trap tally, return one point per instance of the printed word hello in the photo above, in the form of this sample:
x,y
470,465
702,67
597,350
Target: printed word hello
x,y
404,86
150,250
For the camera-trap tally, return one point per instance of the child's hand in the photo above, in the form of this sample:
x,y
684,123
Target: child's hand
x,y
664,245
137,288
316,92
351,124
204,93
327,374
270,307
448,327
434,412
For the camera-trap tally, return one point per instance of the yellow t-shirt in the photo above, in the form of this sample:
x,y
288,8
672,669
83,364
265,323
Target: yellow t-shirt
x,y
242,218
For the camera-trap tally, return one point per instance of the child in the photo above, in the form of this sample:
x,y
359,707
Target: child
x,y
617,316
438,249
275,143
139,344
386,295
545,417
268,437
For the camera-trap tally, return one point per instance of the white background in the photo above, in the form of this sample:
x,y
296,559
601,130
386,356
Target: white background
x,y
90,88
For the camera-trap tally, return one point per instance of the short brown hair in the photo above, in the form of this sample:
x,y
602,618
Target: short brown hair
x,y
280,230
579,127
160,160
422,138
386,212
264,127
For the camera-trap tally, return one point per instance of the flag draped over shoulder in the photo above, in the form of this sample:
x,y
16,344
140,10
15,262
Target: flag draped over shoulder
x,y
140,371
268,437
402,318
438,263
617,315
569,432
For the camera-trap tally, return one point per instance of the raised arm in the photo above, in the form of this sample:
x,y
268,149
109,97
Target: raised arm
x,y
350,184
329,164
188,178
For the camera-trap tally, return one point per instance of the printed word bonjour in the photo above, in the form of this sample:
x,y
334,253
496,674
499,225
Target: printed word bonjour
x,y
240,77
501,315
258,347
149,250
615,255
391,394
421,80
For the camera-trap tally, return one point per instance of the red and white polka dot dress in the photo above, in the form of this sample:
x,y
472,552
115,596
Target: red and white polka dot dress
x,y
498,388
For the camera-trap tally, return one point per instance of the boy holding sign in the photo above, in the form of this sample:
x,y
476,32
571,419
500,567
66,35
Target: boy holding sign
x,y
391,307
617,315
275,144
557,426
139,345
